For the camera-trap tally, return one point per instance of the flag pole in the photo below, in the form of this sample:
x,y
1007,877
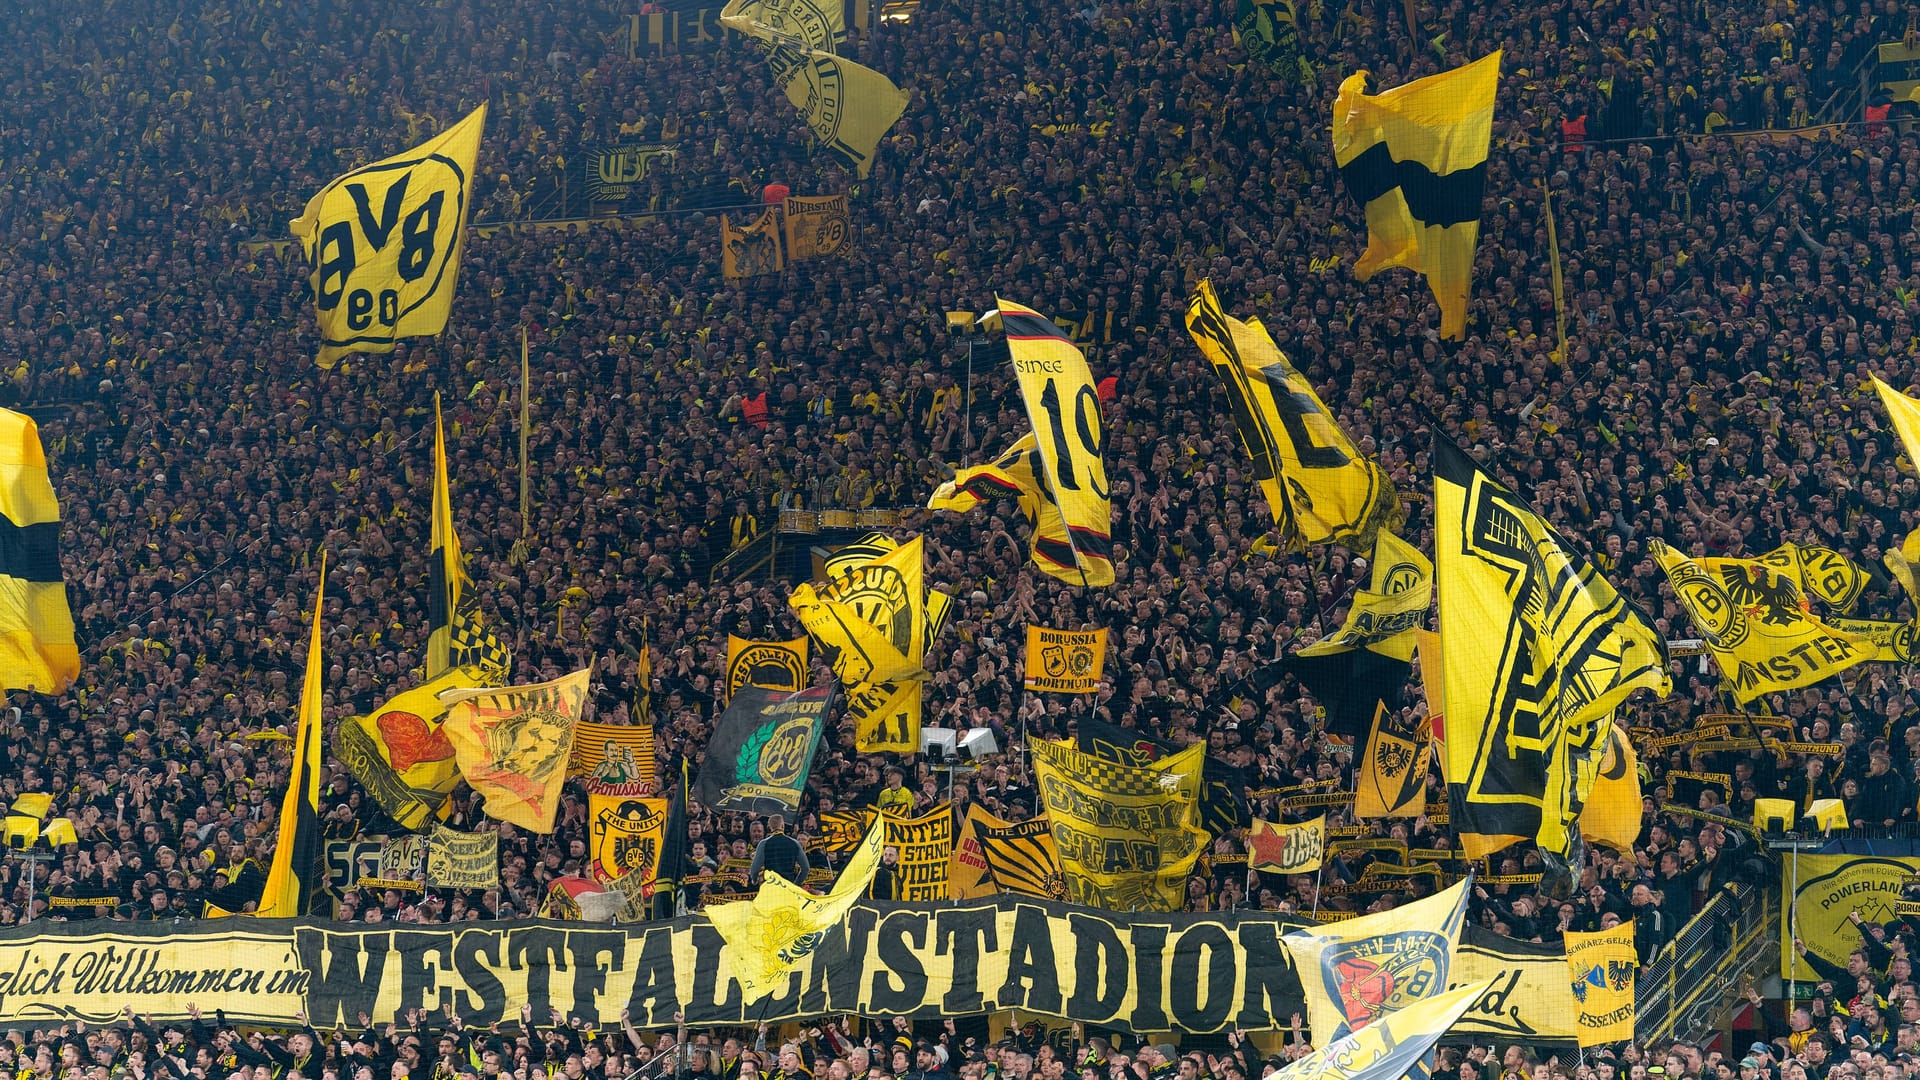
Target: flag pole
x,y
526,522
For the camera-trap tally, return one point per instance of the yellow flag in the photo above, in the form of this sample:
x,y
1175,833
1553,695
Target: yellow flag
x,y
1065,661
871,622
624,835
753,250
848,107
1356,973
775,665
513,744
399,752
886,716
1319,487
1064,409
1127,836
446,569
1415,158
1391,781
1016,475
1539,650
1021,858
1891,640
817,226
1757,624
770,936
807,23
1397,1046
1287,849
1612,813
1901,563
296,847
385,240
1384,615
1602,965
37,651
967,875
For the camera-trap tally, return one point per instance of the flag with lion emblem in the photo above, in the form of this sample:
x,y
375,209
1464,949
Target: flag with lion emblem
x,y
513,744
770,937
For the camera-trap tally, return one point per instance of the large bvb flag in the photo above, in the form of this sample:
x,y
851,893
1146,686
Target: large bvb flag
x,y
1416,158
385,240
1538,650
1319,487
36,627
297,843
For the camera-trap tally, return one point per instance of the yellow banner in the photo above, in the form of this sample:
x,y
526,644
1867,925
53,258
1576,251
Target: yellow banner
x,y
926,851
624,835
1022,859
847,106
1757,624
1127,836
1289,849
776,665
871,621
1392,779
1065,661
1824,573
968,876
1414,157
1892,641
753,250
513,744
37,651
1016,474
462,860
886,716
1602,966
808,23
385,240
1611,815
1829,888
774,933
401,755
1064,409
817,226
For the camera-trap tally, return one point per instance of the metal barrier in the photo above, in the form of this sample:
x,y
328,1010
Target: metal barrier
x,y
1680,994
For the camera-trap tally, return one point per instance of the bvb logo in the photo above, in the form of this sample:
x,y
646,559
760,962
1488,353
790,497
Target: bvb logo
x,y
1723,624
631,832
774,667
879,595
785,753
1067,661
1401,577
395,227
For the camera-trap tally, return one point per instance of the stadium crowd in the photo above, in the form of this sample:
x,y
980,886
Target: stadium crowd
x,y
1727,293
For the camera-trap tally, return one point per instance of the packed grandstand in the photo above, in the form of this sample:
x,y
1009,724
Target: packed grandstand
x,y
1696,251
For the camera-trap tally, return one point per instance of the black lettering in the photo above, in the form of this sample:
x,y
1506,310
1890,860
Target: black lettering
x,y
1273,986
416,238
1149,978
418,975
347,971
705,1008
1033,973
963,933
536,951
377,230
901,933
475,954
585,948
653,980
1203,1005
336,261
1100,969
833,984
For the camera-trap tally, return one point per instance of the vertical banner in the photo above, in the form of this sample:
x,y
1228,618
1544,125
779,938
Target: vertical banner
x,y
926,852
1602,967
753,250
625,835
1392,779
617,757
1065,661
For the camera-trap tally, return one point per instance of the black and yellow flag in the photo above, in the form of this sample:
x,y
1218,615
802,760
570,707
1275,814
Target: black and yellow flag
x,y
37,651
446,569
753,250
1892,640
384,242
817,226
1822,573
1065,661
400,755
1016,475
1415,157
775,665
296,848
1064,409
1021,858
809,23
1319,487
1383,616
1391,781
1538,650
886,716
1127,836
847,106
1602,967
624,835
1270,32
1757,624
1612,813
871,621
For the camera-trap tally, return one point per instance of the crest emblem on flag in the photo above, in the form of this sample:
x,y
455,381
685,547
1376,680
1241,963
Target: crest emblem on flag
x,y
1374,976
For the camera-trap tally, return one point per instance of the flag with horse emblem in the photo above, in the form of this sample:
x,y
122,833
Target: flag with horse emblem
x,y
1357,972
